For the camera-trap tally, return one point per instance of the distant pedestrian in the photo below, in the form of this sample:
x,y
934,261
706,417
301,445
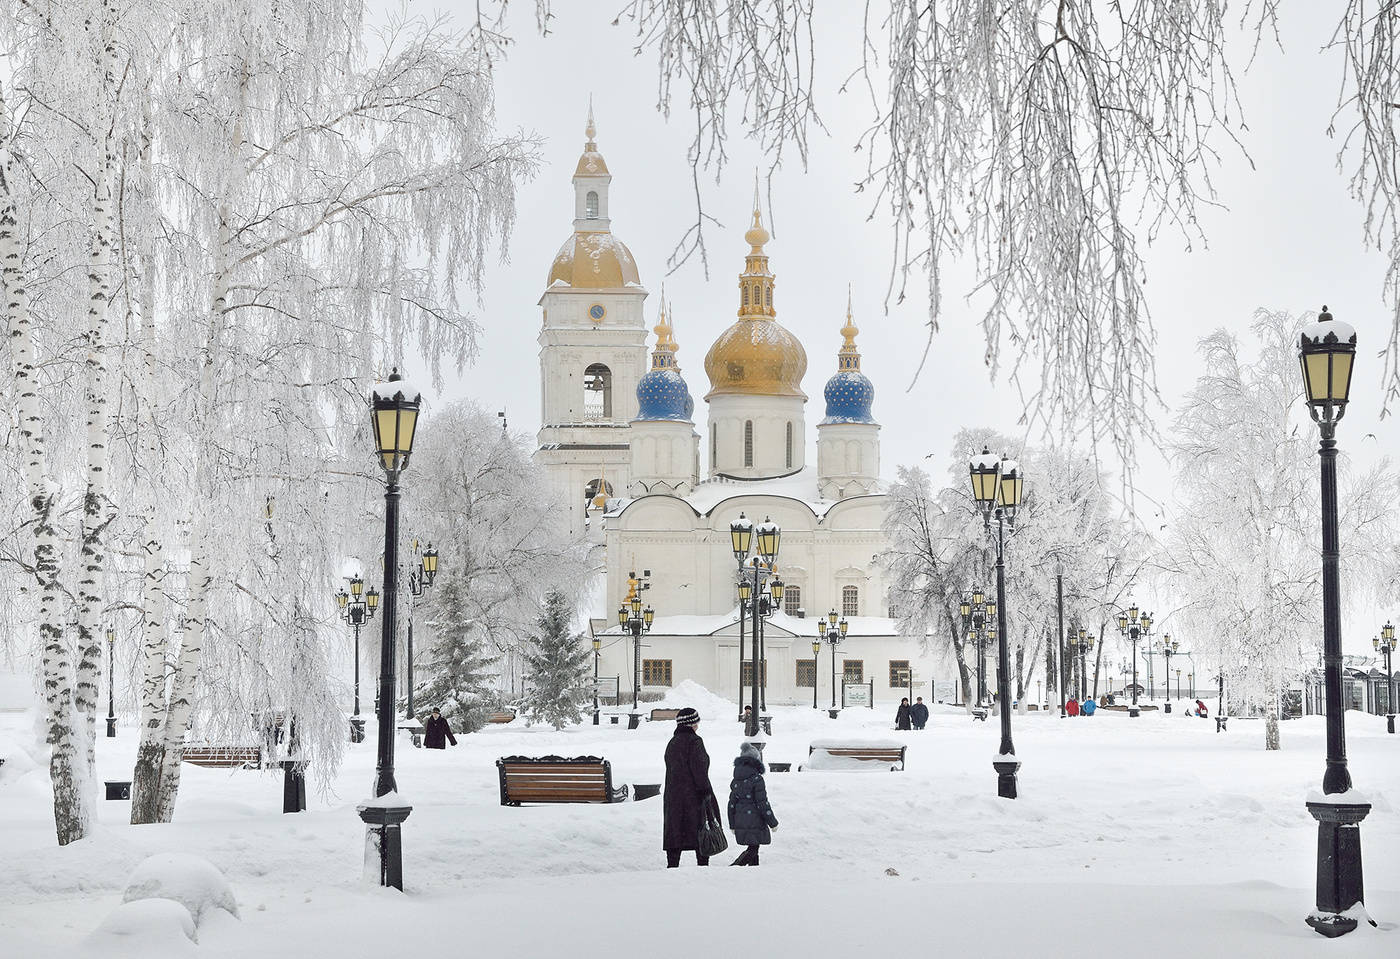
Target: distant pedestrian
x,y
1201,709
436,733
750,814
901,715
688,793
1089,706
918,713
1071,707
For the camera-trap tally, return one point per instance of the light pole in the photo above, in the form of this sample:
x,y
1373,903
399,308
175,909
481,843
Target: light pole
x,y
834,633
419,579
741,539
1326,350
1385,644
761,595
1086,643
1168,647
357,608
816,648
597,646
997,486
394,414
111,674
1135,627
636,620
979,617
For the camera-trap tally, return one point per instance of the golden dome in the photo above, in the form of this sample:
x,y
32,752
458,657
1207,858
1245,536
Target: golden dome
x,y
593,261
756,355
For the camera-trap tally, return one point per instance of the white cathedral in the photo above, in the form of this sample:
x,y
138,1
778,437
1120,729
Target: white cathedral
x,y
619,437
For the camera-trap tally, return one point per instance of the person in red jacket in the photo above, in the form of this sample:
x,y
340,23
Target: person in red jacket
x,y
1071,707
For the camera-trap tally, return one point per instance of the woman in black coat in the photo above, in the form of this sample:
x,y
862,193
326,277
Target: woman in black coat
x,y
688,792
436,732
901,716
750,815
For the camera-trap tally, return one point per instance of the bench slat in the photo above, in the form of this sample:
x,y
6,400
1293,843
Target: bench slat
x,y
586,779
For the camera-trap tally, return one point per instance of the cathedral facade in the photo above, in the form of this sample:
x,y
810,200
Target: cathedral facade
x,y
620,439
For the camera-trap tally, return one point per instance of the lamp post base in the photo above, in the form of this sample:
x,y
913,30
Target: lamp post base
x,y
293,786
1167,706
357,730
1006,777
1220,722
112,726
384,842
833,712
1340,889
1134,712
595,717
1389,723
634,720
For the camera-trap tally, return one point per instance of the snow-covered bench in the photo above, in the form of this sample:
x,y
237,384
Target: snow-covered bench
x,y
224,757
504,717
659,715
855,754
555,779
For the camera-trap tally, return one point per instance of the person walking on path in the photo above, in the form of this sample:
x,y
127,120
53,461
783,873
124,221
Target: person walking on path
x,y
436,732
750,815
918,713
688,793
901,715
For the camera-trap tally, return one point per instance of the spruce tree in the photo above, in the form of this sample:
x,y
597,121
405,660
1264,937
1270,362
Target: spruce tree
x,y
455,668
558,666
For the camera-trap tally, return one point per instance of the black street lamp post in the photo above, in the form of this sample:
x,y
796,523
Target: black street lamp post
x,y
597,646
762,596
419,579
111,673
979,619
357,608
1326,350
1168,647
996,486
1386,644
835,632
1135,627
394,415
636,620
816,648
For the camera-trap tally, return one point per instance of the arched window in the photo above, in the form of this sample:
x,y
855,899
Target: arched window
x,y
746,296
850,601
590,205
597,393
748,442
757,295
768,296
792,599
789,445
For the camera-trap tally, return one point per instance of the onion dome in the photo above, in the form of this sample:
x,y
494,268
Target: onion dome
x,y
756,355
849,394
662,393
593,258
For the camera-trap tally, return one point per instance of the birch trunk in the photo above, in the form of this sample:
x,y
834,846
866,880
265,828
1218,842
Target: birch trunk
x,y
72,816
145,779
96,514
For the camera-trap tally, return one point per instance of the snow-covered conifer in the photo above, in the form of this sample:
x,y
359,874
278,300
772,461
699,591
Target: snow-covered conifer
x,y
558,665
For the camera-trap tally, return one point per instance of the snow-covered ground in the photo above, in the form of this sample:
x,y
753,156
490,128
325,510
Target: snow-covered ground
x,y
1153,834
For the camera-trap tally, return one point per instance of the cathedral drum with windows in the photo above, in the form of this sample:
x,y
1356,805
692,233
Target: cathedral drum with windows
x,y
616,425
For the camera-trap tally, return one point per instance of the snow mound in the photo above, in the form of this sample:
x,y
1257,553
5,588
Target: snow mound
x,y
193,882
146,927
692,694
18,755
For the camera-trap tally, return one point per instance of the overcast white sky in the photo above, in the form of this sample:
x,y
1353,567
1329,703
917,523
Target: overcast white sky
x,y
1289,238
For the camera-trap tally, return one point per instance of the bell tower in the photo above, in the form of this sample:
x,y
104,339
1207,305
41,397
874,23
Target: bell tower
x,y
592,347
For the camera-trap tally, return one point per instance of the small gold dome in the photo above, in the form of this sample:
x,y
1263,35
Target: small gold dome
x,y
756,356
594,261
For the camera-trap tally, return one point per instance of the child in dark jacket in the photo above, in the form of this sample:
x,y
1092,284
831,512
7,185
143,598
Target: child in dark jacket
x,y
750,815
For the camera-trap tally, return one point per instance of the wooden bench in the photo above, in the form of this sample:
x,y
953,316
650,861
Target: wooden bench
x,y
659,715
877,755
224,757
555,779
505,717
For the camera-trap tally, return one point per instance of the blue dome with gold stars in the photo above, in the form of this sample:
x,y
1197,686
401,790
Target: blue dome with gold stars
x,y
662,393
849,394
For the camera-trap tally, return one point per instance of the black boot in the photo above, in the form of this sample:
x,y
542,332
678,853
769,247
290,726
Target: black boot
x,y
743,859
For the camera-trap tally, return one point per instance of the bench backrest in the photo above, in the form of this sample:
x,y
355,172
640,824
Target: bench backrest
x,y
554,779
501,718
884,754
660,714
223,755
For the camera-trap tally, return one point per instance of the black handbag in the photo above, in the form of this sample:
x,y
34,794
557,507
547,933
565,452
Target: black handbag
x,y
711,841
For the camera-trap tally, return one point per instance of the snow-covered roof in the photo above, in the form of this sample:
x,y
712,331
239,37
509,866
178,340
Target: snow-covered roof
x,y
810,626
